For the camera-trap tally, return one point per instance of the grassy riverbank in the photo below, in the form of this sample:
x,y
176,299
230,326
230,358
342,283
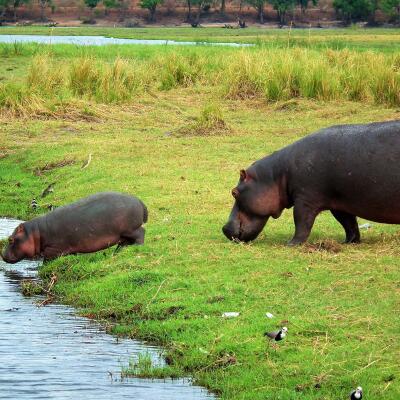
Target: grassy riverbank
x,y
179,148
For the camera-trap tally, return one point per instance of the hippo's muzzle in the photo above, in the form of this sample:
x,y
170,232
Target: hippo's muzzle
x,y
243,228
232,230
241,235
8,258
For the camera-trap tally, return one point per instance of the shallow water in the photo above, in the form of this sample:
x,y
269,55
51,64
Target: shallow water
x,y
50,353
102,40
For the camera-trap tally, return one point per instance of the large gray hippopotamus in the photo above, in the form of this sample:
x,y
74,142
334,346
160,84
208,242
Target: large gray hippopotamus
x,y
88,225
350,170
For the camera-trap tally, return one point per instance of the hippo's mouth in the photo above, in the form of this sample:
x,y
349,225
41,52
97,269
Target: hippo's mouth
x,y
239,231
239,237
8,259
245,236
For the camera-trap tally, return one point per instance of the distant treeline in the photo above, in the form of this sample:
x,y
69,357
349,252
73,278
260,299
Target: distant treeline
x,y
348,11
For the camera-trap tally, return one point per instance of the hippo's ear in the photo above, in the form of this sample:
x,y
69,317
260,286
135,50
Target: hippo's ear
x,y
20,229
245,176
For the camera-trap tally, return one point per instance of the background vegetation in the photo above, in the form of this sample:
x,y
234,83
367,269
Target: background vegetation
x,y
348,11
174,126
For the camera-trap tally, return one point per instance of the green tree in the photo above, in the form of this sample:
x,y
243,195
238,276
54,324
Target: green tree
x,y
282,7
43,5
16,4
201,4
259,6
353,10
304,5
391,8
223,7
189,15
4,5
92,4
151,5
120,5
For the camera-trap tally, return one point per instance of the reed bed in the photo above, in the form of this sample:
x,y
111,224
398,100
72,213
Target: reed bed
x,y
268,74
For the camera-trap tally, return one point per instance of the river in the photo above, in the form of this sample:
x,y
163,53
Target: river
x,y
102,40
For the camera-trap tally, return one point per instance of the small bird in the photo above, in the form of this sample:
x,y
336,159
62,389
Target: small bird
x,y
34,204
86,164
51,207
356,394
277,335
48,190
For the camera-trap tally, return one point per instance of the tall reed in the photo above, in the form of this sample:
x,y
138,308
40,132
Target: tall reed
x,y
270,74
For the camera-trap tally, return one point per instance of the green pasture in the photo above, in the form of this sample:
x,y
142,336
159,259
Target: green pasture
x,y
177,138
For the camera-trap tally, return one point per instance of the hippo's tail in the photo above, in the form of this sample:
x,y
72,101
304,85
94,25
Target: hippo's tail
x,y
145,213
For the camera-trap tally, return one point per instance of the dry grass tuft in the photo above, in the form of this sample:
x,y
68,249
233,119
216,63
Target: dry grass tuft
x,y
326,245
53,165
209,122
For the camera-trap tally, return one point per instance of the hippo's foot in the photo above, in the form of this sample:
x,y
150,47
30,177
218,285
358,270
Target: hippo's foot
x,y
349,223
295,242
352,240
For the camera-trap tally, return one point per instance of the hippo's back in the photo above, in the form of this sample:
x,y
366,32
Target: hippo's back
x,y
383,137
355,167
104,212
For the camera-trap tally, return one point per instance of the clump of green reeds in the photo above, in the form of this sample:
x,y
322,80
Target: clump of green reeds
x,y
243,77
142,366
44,76
278,74
18,100
14,49
210,121
31,287
107,83
87,78
83,77
176,70
3,244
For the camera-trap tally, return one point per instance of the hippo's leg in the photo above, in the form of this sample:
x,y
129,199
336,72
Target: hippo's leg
x,y
349,223
304,217
136,237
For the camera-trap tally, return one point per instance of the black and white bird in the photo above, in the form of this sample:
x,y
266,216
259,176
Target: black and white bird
x,y
34,204
356,394
277,335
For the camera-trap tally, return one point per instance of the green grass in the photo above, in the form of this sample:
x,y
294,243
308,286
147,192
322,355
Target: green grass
x,y
340,303
143,366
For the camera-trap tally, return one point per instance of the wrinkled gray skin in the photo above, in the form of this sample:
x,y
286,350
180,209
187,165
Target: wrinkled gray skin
x,y
88,225
350,170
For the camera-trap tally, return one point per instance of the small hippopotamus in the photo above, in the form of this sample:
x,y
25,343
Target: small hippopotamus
x,y
88,225
350,170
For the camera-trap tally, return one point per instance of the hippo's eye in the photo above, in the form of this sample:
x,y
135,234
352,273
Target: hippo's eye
x,y
10,240
235,193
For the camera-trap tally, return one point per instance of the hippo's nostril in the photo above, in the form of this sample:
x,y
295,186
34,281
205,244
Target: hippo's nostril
x,y
229,232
